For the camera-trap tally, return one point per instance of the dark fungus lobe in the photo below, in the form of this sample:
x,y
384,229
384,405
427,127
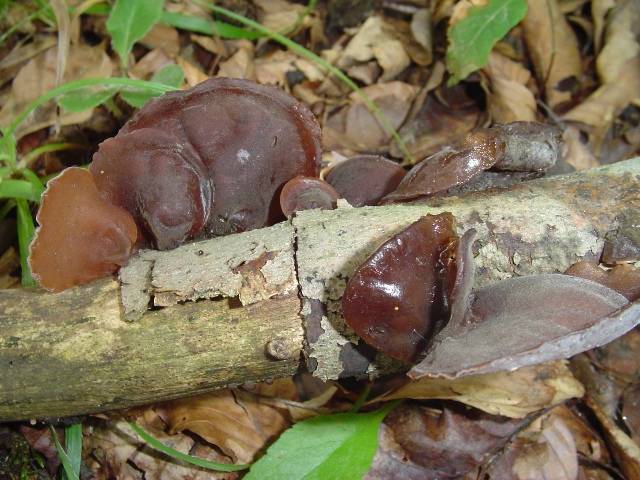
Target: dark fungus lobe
x,y
365,179
159,179
251,139
306,193
394,300
529,146
479,151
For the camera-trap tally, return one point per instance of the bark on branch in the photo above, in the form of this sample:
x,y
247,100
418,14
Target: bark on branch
x,y
241,308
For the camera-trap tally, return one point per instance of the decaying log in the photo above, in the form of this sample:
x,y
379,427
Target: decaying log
x,y
226,311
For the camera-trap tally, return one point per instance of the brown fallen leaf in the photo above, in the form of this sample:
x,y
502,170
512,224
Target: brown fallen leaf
x,y
509,99
510,394
240,64
553,48
23,52
375,39
599,10
624,449
150,64
273,69
439,122
416,442
622,278
631,411
279,15
354,127
193,74
546,450
40,440
163,37
620,358
620,40
602,107
575,152
240,427
39,76
113,450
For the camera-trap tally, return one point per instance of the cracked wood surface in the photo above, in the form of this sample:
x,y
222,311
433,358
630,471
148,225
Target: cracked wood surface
x,y
78,351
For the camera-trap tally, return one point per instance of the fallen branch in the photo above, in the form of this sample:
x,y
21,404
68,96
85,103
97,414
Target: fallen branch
x,y
101,347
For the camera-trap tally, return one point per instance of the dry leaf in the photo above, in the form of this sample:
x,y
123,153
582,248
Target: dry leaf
x,y
509,99
599,10
438,124
214,45
150,64
620,41
624,449
9,263
39,76
272,69
239,427
163,37
354,127
419,443
193,74
631,411
376,40
113,450
544,451
278,15
553,47
602,107
511,394
421,31
240,65
576,153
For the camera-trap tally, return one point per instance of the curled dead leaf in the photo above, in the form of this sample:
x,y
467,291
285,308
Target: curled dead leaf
x,y
510,394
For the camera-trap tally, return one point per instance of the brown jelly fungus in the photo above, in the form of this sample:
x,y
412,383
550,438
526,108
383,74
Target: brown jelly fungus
x,y
223,150
306,193
394,301
81,236
365,179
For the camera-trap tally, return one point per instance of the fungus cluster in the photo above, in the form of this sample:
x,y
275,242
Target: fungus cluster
x,y
207,161
413,298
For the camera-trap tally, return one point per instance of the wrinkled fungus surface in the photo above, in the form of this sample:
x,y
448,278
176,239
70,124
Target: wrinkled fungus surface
x,y
306,193
248,139
479,151
81,236
394,301
365,179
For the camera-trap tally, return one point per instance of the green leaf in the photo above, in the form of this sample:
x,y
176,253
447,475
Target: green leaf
x,y
85,98
129,21
329,446
472,38
22,189
207,26
73,444
25,234
70,463
200,462
171,75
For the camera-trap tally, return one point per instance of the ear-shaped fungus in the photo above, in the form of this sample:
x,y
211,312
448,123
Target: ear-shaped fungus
x,y
305,193
250,139
394,301
81,235
479,151
365,179
159,179
527,320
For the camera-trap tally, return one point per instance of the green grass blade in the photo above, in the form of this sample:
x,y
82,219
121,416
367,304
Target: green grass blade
x,y
26,228
199,462
206,26
47,148
67,463
309,55
22,189
73,444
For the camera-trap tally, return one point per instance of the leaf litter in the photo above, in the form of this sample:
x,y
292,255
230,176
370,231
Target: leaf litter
x,y
537,421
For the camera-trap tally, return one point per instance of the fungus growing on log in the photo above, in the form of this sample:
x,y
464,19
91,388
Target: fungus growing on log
x,y
394,301
306,193
207,161
365,179
82,236
250,138
623,278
